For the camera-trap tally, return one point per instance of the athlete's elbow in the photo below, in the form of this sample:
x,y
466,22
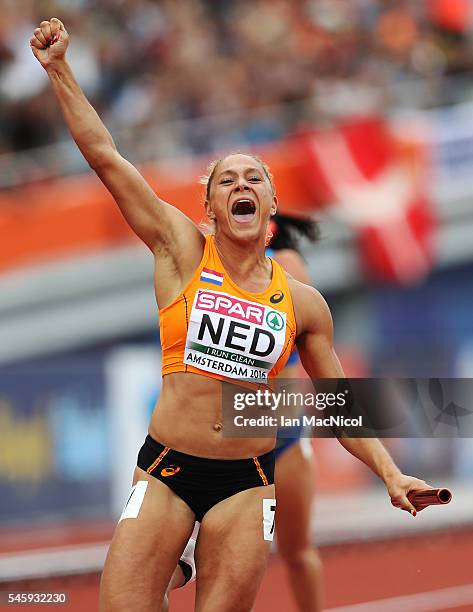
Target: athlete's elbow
x,y
101,157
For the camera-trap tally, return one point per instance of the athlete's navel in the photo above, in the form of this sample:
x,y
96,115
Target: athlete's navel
x,y
218,426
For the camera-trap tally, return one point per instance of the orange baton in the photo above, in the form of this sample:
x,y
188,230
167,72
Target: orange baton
x,y
428,497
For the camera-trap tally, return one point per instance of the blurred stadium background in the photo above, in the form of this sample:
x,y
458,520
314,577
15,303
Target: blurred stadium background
x,y
364,111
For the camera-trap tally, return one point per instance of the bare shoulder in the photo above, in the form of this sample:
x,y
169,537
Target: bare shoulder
x,y
289,259
177,258
311,309
183,237
293,263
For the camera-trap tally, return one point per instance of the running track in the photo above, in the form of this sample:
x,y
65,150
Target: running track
x,y
421,574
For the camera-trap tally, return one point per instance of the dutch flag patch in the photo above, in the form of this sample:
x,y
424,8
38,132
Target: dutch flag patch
x,y
211,276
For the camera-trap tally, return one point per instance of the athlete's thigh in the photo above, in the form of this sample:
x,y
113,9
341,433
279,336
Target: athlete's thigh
x,y
145,549
294,480
232,550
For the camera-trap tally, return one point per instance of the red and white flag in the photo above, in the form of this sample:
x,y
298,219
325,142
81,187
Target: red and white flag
x,y
359,171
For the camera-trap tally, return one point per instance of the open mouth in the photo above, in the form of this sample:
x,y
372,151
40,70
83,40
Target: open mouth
x,y
243,210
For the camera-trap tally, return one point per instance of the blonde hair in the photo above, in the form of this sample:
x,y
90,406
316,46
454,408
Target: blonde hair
x,y
207,179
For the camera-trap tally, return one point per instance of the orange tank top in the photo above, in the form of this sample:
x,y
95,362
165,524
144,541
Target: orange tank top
x,y
217,329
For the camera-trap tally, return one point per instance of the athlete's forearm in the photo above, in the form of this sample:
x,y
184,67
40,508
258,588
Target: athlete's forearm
x,y
86,127
372,452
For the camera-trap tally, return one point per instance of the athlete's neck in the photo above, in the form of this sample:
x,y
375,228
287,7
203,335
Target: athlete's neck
x,y
245,263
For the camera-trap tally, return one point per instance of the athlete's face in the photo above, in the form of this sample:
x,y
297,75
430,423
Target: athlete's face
x,y
241,198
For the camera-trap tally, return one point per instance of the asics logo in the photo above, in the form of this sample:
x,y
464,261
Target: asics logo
x,y
276,297
170,471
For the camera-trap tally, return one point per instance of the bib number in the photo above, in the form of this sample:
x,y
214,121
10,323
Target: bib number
x,y
269,511
233,337
133,505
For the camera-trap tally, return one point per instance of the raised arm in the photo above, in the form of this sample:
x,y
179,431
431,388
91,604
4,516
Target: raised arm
x,y
315,347
161,226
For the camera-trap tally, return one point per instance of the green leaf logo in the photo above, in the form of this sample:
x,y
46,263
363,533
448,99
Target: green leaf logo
x,y
274,320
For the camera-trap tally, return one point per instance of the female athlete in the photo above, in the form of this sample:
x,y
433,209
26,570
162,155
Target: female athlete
x,y
217,322
294,471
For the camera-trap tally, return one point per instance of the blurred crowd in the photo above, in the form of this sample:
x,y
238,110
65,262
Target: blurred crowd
x,y
241,70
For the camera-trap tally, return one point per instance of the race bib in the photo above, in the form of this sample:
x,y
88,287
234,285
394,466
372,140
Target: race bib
x,y
269,510
135,499
234,337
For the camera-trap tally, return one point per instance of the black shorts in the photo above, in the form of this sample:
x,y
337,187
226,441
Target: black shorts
x,y
202,482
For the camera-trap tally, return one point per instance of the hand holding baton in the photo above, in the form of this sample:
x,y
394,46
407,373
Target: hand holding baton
x,y
428,497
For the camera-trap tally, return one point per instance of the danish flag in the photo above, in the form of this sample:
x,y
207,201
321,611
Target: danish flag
x,y
360,171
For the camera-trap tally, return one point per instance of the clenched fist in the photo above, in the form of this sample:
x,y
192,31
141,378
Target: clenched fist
x,y
49,42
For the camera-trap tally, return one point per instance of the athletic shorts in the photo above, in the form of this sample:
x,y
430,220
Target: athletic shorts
x,y
202,482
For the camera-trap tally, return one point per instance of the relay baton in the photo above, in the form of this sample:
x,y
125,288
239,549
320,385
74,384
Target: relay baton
x,y
428,497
